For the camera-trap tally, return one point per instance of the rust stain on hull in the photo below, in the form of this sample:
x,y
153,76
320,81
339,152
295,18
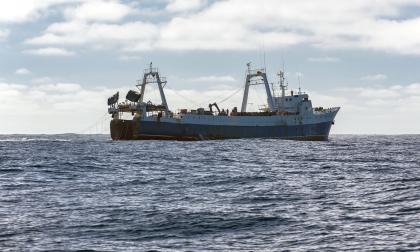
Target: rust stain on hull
x,y
125,130
122,129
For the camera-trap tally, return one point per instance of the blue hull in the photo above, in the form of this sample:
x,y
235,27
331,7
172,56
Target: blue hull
x,y
128,129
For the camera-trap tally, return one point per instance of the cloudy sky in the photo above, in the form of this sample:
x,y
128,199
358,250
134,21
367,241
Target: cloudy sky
x,y
61,59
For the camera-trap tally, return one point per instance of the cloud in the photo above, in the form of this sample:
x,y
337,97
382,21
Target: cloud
x,y
60,87
22,71
379,93
50,51
413,89
4,34
129,36
98,11
26,10
323,59
379,110
236,25
70,107
53,106
184,5
374,77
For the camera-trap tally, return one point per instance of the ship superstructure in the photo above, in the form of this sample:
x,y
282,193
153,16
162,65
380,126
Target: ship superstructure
x,y
285,116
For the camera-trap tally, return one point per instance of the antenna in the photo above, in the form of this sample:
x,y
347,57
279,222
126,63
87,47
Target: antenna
x,y
265,66
282,60
248,65
298,75
263,38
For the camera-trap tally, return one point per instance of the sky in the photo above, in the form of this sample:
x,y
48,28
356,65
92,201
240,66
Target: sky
x,y
61,59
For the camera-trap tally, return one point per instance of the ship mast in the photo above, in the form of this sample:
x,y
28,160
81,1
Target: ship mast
x,y
283,84
283,87
256,76
151,75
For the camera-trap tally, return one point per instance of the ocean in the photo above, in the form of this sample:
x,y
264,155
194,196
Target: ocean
x,y
86,192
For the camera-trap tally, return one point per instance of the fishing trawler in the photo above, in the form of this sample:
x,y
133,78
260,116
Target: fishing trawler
x,y
285,116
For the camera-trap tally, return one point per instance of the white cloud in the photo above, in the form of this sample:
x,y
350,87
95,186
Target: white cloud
x,y
22,71
246,25
379,93
4,34
323,59
236,25
379,110
98,10
205,32
413,89
60,87
374,77
53,106
25,10
70,107
129,36
50,51
184,5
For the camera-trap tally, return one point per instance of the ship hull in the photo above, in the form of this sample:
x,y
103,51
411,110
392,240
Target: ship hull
x,y
139,130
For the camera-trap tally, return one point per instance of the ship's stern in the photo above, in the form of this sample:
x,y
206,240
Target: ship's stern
x,y
122,129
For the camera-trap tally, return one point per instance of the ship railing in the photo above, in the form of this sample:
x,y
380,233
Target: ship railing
x,y
112,110
177,116
153,69
132,106
325,110
256,71
151,79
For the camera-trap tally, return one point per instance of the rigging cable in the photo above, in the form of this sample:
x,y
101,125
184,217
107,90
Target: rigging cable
x,y
231,95
99,120
235,92
185,98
